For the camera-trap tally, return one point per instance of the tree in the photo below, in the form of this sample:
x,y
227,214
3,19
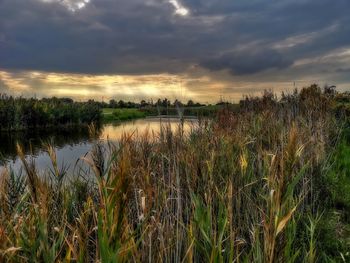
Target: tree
x,y
121,104
113,103
143,103
177,103
166,103
190,103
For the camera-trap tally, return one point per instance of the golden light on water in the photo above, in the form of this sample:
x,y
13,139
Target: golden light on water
x,y
151,127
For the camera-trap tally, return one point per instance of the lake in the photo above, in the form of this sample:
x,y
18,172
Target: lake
x,y
71,144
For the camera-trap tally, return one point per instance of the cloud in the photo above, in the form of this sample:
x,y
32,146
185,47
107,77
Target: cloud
x,y
143,37
343,70
179,9
84,86
249,62
71,5
248,39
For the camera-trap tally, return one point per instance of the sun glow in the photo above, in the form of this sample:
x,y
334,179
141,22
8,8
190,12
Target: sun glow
x,y
84,86
179,8
202,87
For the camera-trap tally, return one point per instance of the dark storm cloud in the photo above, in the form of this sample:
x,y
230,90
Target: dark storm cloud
x,y
242,63
105,37
343,70
146,36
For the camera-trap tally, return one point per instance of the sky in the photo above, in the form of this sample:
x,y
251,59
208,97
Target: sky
x,y
185,49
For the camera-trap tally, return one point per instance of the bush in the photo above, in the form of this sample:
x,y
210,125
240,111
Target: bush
x,y
21,113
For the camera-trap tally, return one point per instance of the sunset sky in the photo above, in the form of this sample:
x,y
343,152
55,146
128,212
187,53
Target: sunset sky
x,y
198,49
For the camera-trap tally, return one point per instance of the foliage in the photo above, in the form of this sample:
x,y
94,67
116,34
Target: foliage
x,y
20,113
166,103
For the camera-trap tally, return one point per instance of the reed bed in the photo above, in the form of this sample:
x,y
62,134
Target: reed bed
x,y
244,187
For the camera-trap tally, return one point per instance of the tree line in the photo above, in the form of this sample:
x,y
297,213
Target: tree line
x,y
18,113
113,103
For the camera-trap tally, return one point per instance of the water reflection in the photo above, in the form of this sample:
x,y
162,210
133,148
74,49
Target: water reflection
x,y
71,144
152,125
32,141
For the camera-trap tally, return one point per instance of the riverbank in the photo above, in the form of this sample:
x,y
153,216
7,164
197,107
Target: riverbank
x,y
117,115
124,114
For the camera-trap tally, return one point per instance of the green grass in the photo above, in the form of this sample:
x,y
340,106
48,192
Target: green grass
x,y
110,115
335,225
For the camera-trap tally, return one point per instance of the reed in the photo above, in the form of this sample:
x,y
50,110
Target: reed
x,y
243,187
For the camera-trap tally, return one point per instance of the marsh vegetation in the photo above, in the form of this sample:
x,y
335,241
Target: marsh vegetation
x,y
22,113
266,183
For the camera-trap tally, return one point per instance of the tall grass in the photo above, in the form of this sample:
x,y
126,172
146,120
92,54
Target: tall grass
x,y
240,188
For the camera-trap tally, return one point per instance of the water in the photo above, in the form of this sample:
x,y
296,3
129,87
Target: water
x,y
72,144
